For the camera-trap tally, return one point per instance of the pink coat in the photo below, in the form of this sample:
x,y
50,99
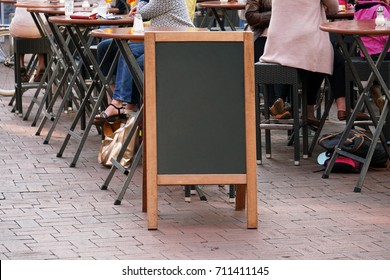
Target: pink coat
x,y
294,38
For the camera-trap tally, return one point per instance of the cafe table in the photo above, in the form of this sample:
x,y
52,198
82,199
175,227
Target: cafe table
x,y
39,19
215,6
358,29
59,62
35,4
59,42
79,33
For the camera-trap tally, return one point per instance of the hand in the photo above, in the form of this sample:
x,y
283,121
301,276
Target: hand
x,y
133,11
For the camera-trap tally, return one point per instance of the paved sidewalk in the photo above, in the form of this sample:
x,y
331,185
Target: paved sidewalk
x,y
51,211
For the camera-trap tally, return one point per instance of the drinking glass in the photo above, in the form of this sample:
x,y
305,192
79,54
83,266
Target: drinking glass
x,y
69,6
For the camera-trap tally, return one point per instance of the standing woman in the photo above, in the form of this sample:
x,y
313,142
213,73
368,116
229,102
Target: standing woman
x,y
23,26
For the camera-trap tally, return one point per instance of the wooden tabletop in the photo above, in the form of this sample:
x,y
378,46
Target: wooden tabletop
x,y
43,4
8,1
127,33
233,5
61,10
356,27
124,20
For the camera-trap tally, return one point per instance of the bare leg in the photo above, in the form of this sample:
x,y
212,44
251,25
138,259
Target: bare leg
x,y
340,103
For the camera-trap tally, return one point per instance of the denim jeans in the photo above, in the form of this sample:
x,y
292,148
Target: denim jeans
x,y
102,48
125,88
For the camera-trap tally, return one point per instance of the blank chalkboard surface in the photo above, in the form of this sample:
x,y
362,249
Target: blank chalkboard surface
x,y
200,108
200,114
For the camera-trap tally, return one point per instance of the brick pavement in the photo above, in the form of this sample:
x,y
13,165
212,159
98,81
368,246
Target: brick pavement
x,y
51,211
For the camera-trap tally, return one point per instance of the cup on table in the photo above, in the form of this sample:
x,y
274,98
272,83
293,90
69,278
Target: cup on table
x,y
224,1
69,6
138,24
101,10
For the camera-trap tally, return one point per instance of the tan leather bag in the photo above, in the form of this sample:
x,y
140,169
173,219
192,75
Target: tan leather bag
x,y
113,142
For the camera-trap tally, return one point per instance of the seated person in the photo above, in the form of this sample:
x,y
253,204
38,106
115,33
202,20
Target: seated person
x,y
23,26
163,13
296,27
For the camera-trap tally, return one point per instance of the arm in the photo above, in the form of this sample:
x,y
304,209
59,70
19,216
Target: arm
x,y
257,15
331,6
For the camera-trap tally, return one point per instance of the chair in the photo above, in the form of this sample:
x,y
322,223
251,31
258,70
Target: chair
x,y
26,46
269,73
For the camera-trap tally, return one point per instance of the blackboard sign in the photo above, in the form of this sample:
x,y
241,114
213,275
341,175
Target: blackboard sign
x,y
200,108
199,113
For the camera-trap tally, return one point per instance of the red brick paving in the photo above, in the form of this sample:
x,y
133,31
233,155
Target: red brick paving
x,y
51,211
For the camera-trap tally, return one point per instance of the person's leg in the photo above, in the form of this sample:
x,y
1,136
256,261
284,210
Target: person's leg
x,y
124,81
40,68
23,72
101,51
337,80
138,51
337,84
311,83
259,47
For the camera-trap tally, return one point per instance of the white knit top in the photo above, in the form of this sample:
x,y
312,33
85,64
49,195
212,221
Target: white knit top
x,y
165,13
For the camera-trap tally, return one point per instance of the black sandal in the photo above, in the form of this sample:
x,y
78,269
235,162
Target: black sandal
x,y
103,117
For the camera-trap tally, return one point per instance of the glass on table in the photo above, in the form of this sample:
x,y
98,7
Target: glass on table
x,y
102,8
138,25
85,5
69,6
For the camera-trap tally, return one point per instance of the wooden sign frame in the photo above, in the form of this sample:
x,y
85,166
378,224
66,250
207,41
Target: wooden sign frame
x,y
158,46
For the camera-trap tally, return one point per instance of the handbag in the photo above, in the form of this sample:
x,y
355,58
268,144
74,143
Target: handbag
x,y
357,142
113,142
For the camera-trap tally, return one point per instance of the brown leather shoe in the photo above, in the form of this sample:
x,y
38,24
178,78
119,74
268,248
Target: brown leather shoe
x,y
377,97
313,122
277,107
342,116
284,115
362,116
